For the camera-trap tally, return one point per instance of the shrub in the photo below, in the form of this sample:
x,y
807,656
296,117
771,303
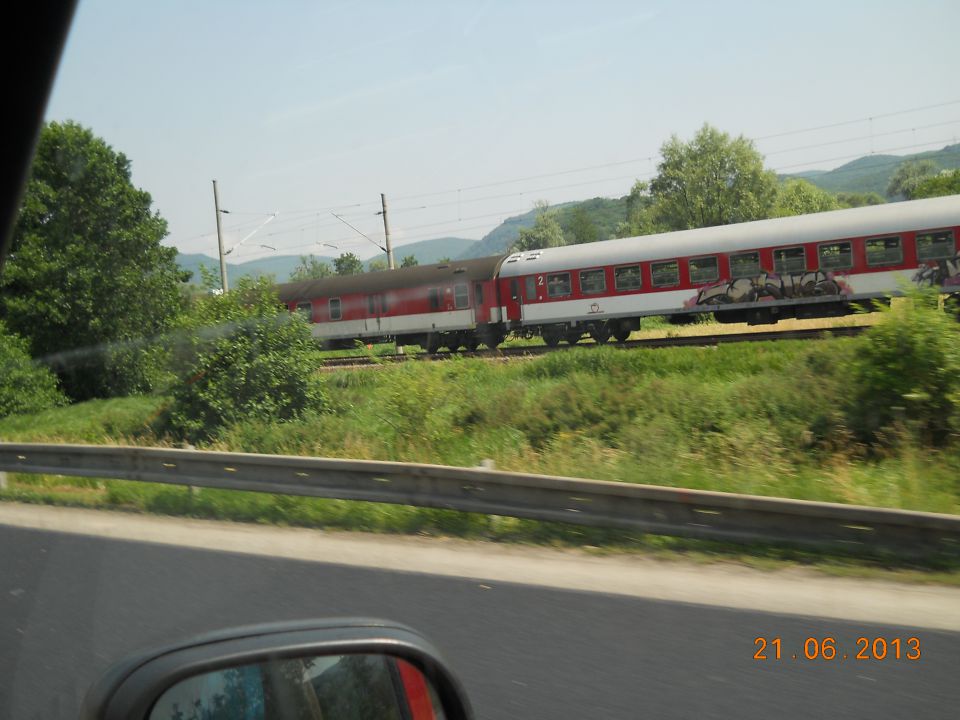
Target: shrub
x,y
908,370
25,387
242,357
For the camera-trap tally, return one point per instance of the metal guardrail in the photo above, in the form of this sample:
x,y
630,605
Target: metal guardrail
x,y
644,508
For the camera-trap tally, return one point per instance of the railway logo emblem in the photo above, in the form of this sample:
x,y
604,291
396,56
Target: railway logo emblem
x,y
595,308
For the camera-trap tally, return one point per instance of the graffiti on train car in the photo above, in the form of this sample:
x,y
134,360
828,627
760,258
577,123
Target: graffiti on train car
x,y
771,286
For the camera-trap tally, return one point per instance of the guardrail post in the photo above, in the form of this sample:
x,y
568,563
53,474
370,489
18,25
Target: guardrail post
x,y
3,480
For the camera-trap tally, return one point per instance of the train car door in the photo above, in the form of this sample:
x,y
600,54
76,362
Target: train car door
x,y
513,300
376,306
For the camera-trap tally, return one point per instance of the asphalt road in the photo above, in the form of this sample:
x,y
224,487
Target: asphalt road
x,y
70,605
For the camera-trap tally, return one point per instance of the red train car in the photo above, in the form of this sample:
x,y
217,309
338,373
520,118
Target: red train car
x,y
449,305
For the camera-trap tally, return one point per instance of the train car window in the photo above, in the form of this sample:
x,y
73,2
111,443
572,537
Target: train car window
x,y
434,296
558,285
835,256
704,270
479,293
461,296
592,282
531,283
371,305
383,303
665,273
335,309
790,260
305,309
935,245
627,278
884,251
745,265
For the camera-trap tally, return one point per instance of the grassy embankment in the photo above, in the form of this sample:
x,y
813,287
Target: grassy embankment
x,y
764,418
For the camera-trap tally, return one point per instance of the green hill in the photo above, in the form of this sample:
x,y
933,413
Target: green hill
x,y
604,213
280,266
872,173
428,252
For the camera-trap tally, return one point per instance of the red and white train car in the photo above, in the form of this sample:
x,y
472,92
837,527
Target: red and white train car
x,y
444,305
758,272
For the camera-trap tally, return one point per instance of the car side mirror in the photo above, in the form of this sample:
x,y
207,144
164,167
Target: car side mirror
x,y
321,670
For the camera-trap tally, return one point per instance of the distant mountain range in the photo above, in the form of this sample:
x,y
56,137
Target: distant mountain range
x,y
428,252
871,173
280,266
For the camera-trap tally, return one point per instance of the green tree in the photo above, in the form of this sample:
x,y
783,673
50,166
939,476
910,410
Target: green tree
x,y
348,264
582,227
88,279
908,176
444,260
855,199
712,180
310,268
376,265
946,183
907,370
799,197
242,356
25,386
639,220
409,261
546,231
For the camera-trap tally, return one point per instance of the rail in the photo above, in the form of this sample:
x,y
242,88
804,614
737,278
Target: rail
x,y
643,508
528,351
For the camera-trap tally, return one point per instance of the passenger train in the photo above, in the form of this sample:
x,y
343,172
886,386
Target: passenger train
x,y
758,272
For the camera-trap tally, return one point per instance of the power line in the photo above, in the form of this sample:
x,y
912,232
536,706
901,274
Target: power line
x,y
314,224
858,120
601,166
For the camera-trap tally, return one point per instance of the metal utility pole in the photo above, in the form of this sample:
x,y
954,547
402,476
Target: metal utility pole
x,y
223,263
386,233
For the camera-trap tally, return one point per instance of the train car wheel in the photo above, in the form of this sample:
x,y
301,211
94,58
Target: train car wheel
x,y
621,335
600,334
574,337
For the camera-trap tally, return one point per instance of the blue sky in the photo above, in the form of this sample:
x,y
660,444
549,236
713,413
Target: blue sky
x,y
304,108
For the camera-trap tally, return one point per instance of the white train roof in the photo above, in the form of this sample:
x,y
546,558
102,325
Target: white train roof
x,y
838,224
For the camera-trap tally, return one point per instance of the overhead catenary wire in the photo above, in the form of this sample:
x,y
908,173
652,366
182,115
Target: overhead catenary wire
x,y
313,224
650,158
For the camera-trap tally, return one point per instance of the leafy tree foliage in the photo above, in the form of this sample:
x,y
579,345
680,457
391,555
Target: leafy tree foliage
x,y
376,265
908,370
88,279
444,260
639,220
799,197
310,268
946,183
546,231
409,261
25,386
712,180
855,199
582,226
243,356
908,176
348,264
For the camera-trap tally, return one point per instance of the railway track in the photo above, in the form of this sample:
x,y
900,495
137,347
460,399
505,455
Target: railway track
x,y
536,350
